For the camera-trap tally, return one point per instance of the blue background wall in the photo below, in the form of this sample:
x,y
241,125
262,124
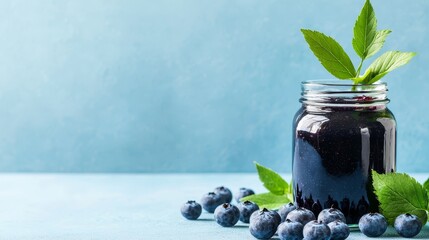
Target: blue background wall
x,y
161,86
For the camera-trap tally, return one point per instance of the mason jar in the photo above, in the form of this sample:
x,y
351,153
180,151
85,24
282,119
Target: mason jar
x,y
341,132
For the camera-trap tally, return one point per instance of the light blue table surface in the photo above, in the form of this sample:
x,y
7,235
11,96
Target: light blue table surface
x,y
120,206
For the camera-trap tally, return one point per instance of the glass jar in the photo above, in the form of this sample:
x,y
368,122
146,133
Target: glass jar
x,y
340,133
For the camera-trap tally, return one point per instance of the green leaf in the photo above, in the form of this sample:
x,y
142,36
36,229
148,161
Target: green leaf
x,y
267,200
289,194
272,180
385,64
365,30
377,44
330,54
399,193
426,185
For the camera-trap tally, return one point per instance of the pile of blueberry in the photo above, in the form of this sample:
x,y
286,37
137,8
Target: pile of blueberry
x,y
290,222
218,202
295,223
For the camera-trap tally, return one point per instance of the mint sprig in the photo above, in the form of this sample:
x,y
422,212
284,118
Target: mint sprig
x,y
399,193
367,41
280,192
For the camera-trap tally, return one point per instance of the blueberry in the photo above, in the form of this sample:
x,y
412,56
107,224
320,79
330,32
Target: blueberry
x,y
191,210
210,201
285,210
339,230
301,215
408,225
246,209
373,224
331,214
289,230
225,193
243,192
276,217
315,230
226,215
264,223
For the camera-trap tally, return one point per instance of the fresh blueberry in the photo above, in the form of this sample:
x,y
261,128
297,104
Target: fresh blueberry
x,y
408,225
276,217
373,224
331,214
227,215
246,209
301,215
210,201
315,230
339,230
289,230
191,210
264,223
243,192
285,210
225,193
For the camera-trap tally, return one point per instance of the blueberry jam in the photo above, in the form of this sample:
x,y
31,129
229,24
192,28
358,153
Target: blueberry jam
x,y
339,136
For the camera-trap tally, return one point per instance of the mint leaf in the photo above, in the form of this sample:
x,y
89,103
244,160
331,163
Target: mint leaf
x,y
377,44
272,180
267,200
426,185
289,194
280,191
399,193
385,64
365,31
330,54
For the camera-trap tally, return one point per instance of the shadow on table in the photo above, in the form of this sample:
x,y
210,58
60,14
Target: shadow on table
x,y
205,219
391,233
241,226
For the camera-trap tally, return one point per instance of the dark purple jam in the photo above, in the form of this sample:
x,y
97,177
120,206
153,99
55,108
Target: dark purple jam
x,y
334,151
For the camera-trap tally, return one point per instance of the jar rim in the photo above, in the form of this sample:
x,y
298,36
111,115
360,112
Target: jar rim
x,y
334,93
340,83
